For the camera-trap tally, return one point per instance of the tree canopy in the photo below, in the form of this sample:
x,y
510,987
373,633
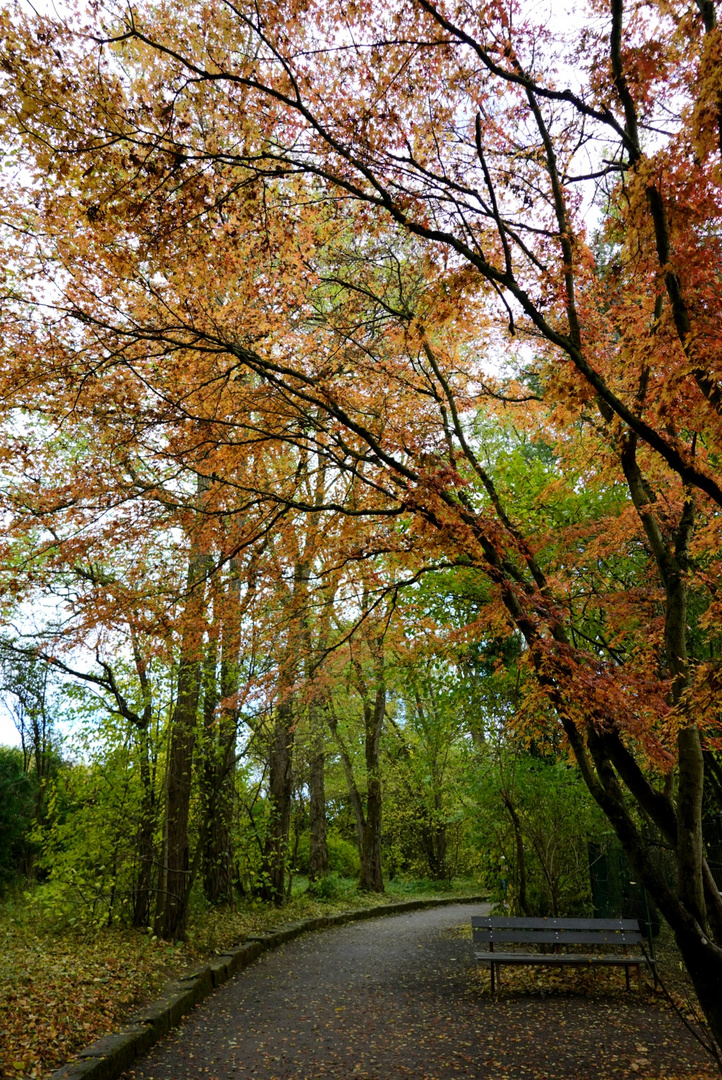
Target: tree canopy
x,y
351,349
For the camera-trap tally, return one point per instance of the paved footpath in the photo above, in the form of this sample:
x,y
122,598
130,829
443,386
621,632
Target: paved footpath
x,y
392,998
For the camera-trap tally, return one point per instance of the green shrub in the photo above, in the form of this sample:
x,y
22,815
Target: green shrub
x,y
540,808
343,857
330,887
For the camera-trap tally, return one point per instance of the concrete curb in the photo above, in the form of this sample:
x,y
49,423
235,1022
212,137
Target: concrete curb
x,y
111,1055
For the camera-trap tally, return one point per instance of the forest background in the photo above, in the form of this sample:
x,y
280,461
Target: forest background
x,y
360,387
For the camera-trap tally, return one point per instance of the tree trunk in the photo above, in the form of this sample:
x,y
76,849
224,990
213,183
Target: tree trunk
x,y
280,794
210,769
603,761
222,888
173,892
171,912
148,809
371,875
353,791
146,829
280,784
705,970
520,854
220,722
318,855
368,821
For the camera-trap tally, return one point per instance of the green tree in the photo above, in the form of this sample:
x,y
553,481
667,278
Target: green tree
x,y
18,807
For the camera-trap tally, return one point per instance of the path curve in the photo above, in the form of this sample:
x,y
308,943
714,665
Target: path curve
x,y
392,998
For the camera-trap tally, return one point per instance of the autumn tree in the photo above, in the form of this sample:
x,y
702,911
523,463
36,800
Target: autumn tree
x,y
393,250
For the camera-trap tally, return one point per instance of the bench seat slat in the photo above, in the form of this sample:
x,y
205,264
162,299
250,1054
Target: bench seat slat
x,y
558,958
558,937
526,923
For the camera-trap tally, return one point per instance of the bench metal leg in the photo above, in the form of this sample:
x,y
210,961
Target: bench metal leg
x,y
493,986
626,973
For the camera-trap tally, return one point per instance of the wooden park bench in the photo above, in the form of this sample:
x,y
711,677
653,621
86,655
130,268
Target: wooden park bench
x,y
559,942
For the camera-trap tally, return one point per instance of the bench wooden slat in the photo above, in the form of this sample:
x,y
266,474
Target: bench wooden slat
x,y
559,958
558,937
526,923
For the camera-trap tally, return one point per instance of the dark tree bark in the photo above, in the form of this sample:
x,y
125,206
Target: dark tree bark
x,y
374,712
146,826
280,796
220,727
353,792
434,845
520,854
314,651
210,768
175,877
227,733
146,829
280,772
171,911
318,854
371,874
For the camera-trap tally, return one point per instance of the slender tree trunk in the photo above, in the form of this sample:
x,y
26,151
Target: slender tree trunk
x,y
318,848
209,771
171,912
434,838
227,734
280,795
442,862
520,854
220,723
318,855
371,875
280,785
173,893
368,822
353,791
146,829
146,826
280,776
705,970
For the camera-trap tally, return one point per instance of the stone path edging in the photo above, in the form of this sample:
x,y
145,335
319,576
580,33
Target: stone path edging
x,y
112,1054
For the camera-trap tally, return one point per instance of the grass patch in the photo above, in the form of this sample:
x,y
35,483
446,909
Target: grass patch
x,y
415,887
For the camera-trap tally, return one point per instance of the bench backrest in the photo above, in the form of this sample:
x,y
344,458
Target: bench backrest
x,y
528,931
